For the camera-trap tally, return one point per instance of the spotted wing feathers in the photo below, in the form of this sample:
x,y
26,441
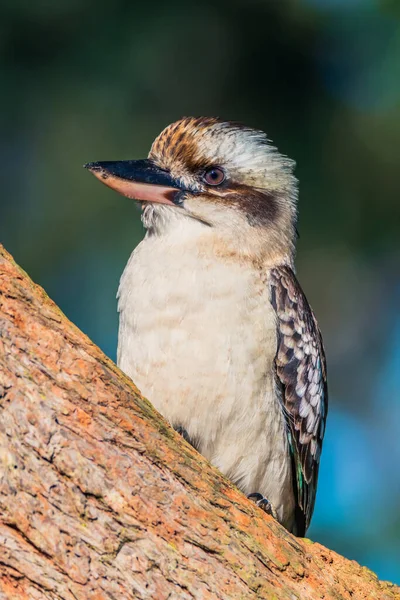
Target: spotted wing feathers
x,y
301,377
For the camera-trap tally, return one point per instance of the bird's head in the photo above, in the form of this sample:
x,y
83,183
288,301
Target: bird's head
x,y
225,176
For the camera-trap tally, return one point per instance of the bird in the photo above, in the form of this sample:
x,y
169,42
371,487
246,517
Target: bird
x,y
214,328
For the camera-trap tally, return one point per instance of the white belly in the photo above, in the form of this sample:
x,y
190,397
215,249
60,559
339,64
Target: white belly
x,y
198,337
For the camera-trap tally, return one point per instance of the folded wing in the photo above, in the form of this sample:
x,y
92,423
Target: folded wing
x,y
301,378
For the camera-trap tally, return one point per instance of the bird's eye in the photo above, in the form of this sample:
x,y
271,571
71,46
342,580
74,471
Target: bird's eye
x,y
214,176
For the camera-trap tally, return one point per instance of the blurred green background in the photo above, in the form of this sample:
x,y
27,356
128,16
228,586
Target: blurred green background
x,y
96,80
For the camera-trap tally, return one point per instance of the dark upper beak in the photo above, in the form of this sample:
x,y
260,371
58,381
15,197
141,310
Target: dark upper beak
x,y
139,179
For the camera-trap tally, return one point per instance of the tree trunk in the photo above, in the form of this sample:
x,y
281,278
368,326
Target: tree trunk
x,y
101,499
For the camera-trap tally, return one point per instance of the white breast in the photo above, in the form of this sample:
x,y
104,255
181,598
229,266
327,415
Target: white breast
x,y
198,337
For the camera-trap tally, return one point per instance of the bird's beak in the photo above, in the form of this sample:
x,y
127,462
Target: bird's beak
x,y
138,179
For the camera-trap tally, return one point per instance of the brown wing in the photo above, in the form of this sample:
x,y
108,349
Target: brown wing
x,y
301,374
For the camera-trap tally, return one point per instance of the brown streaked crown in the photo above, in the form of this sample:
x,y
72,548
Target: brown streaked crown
x,y
246,154
178,142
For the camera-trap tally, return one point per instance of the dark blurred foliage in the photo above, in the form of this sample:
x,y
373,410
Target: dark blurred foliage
x,y
92,80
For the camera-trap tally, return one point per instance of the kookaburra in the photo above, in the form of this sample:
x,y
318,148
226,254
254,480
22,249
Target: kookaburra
x,y
214,327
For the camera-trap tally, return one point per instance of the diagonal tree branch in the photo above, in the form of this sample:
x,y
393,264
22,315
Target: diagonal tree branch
x,y
100,499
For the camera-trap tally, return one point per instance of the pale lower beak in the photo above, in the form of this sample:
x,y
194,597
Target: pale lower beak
x,y
138,179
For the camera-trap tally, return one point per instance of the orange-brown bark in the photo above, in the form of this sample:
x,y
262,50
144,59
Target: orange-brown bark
x,y
100,499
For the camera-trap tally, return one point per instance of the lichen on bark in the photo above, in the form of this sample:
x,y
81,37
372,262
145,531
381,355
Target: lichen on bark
x,y
100,499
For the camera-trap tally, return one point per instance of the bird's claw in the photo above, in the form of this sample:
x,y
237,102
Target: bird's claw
x,y
263,503
192,441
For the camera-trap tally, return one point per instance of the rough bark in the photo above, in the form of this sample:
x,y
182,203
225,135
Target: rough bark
x,y
101,499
